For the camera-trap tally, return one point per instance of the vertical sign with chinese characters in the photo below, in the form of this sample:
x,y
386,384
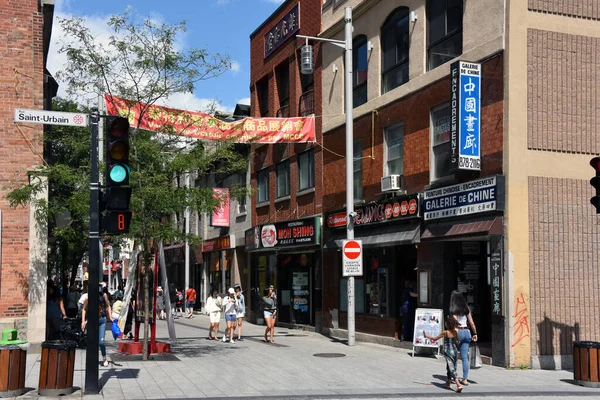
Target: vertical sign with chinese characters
x,y
465,134
496,267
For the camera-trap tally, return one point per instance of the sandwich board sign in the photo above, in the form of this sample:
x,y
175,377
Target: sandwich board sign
x,y
352,258
430,321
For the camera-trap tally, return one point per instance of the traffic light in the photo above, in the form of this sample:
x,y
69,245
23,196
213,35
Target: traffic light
x,y
595,182
116,198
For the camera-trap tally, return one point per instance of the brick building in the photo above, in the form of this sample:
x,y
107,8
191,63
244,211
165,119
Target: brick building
x,y
288,177
25,28
515,232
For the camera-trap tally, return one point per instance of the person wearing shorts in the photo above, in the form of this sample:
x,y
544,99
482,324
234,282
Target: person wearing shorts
x,y
213,309
269,312
190,300
230,305
241,307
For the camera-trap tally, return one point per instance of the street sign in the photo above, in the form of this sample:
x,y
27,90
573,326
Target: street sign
x,y
352,258
50,117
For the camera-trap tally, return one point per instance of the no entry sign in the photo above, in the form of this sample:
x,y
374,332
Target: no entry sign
x,y
352,258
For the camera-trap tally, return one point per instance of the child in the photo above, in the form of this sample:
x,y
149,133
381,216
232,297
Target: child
x,y
450,336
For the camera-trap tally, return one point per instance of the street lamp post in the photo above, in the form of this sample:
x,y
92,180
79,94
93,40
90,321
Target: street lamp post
x,y
346,44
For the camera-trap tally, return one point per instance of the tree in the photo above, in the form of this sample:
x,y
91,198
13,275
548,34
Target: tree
x,y
140,62
66,214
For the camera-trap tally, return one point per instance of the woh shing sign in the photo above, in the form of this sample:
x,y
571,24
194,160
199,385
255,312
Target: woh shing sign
x,y
465,127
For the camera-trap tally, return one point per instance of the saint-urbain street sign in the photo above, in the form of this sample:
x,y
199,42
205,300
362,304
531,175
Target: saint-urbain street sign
x,y
50,117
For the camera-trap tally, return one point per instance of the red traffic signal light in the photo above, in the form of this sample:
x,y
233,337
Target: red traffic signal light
x,y
595,182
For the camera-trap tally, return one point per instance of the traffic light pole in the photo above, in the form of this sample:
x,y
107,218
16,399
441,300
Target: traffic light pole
x,y
91,359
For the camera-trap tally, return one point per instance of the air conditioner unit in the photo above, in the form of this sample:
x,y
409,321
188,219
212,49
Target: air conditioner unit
x,y
391,182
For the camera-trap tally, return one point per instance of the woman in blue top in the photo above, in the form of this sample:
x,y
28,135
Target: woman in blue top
x,y
241,308
104,315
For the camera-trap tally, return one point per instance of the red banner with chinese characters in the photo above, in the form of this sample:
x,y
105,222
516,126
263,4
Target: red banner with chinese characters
x,y
220,217
206,127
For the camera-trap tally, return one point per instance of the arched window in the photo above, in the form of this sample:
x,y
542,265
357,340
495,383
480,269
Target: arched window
x,y
394,50
360,70
444,34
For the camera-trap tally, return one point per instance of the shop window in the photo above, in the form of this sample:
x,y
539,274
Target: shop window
x,y
359,70
358,176
359,295
444,35
440,140
394,150
283,179
306,170
262,92
262,178
395,41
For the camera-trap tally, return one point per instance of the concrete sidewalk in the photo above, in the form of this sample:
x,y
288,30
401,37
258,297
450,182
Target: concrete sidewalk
x,y
298,364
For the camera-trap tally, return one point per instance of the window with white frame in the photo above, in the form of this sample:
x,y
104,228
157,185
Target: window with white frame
x,y
358,181
395,41
440,142
394,150
262,178
283,179
306,170
444,33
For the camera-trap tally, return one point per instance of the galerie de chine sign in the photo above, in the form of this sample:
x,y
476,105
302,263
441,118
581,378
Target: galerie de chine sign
x,y
390,210
284,29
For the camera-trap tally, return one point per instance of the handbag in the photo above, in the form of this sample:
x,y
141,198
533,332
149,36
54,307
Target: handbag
x,y
475,356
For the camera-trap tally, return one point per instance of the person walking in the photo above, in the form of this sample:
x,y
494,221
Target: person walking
x,y
173,299
269,313
460,311
104,314
161,304
450,336
190,300
72,299
230,306
179,302
241,309
409,306
55,311
213,309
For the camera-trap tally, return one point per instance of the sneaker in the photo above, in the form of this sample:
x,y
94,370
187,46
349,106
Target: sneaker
x,y
224,339
232,341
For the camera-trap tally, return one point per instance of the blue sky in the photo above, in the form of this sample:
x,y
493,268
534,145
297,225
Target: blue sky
x,y
218,25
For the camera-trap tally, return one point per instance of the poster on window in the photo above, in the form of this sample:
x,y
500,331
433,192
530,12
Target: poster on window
x,y
465,133
430,321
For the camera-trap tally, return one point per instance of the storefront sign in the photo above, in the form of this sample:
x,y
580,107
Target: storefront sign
x,y
431,322
465,131
220,217
284,29
482,195
496,267
301,232
252,238
390,210
220,243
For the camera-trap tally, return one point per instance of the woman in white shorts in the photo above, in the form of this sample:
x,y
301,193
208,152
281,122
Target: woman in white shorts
x,y
269,312
213,308
241,308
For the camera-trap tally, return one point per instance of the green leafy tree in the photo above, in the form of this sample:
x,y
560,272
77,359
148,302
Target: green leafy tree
x,y
141,62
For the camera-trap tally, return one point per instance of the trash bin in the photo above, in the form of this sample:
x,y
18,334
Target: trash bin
x,y
13,355
57,367
586,363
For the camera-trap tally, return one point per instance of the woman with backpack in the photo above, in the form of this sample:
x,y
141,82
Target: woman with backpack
x,y
104,315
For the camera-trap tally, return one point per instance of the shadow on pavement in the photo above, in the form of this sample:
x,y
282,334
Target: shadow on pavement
x,y
127,373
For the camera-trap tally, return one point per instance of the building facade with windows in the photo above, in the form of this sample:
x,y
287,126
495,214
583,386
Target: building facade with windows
x,y
286,178
502,226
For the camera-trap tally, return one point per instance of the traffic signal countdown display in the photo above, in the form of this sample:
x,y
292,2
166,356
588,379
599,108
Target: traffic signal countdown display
x,y
117,193
595,182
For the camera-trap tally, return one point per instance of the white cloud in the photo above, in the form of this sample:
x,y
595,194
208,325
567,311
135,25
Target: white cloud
x,y
235,67
99,28
245,100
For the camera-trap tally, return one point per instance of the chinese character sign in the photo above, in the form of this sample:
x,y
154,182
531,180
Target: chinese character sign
x,y
220,216
496,268
466,115
284,29
202,126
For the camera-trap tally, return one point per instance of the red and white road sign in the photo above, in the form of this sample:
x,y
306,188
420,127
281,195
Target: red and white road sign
x,y
352,258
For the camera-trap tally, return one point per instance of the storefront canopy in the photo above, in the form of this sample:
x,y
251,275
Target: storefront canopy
x,y
460,229
390,235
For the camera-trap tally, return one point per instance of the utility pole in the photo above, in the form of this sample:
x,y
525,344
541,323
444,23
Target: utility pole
x,y
91,359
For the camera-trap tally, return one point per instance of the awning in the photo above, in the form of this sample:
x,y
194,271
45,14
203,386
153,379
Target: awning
x,y
390,235
486,227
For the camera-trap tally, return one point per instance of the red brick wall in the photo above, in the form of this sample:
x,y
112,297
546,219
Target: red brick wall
x,y
413,111
268,155
21,86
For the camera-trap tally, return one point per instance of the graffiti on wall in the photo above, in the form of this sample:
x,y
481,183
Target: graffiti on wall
x,y
521,329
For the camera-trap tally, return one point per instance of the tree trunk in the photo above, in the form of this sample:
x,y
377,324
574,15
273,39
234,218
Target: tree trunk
x,y
147,273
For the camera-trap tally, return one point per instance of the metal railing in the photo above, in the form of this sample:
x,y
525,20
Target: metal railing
x,y
307,103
